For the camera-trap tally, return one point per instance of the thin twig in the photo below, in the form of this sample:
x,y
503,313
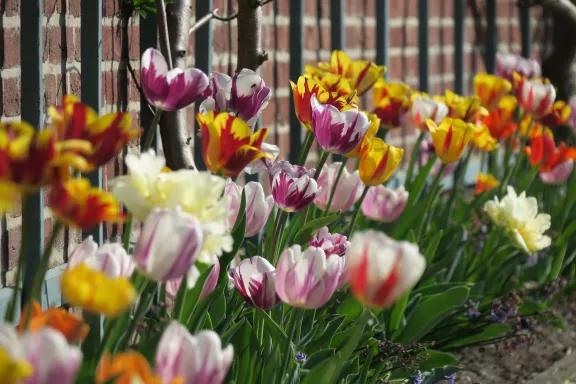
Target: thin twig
x,y
215,16
163,32
203,21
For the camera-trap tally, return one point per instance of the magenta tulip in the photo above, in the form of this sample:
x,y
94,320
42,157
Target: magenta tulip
x,y
293,187
255,279
258,205
348,190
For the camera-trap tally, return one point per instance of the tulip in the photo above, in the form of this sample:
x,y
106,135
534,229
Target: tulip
x,y
518,216
491,89
450,138
465,108
572,118
370,133
77,204
482,139
172,286
424,108
536,95
558,114
558,174
293,187
255,279
245,95
302,92
54,361
485,182
307,279
333,244
173,89
348,189
110,258
169,244
126,367
426,150
508,63
228,144
192,359
392,102
258,205
542,149
381,269
379,161
384,204
72,327
332,82
14,366
500,121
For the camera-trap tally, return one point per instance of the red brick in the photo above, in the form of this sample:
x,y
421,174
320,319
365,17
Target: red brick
x,y
407,8
52,84
77,44
11,48
74,7
75,83
11,7
52,6
70,44
54,45
14,241
403,36
11,97
109,8
109,92
134,42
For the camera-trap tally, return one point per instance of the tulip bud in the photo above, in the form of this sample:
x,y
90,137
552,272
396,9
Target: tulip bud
x,y
308,278
381,269
424,108
53,359
111,258
173,286
293,187
333,244
255,279
450,138
190,358
384,204
379,161
536,95
348,189
258,205
169,244
508,63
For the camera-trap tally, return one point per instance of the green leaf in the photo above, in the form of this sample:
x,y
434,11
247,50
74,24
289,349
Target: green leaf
x,y
309,229
417,186
273,328
246,353
558,262
490,332
147,347
351,308
430,312
397,313
433,246
217,310
318,357
226,259
192,296
439,288
227,336
241,211
437,359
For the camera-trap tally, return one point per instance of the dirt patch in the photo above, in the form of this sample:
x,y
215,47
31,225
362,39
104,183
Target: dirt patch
x,y
496,364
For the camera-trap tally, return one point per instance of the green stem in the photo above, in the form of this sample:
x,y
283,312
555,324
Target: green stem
x,y
323,157
413,157
92,344
143,307
308,140
152,131
297,314
459,181
282,218
333,191
128,232
431,199
357,210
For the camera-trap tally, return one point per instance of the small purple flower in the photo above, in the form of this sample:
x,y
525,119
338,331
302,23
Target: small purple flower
x,y
255,279
245,95
501,312
173,89
293,187
417,379
337,132
301,357
472,307
450,378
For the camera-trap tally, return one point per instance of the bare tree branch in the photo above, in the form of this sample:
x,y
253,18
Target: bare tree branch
x,y
250,53
203,21
163,32
565,7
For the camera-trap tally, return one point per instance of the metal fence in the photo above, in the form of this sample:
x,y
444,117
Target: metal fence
x,y
31,48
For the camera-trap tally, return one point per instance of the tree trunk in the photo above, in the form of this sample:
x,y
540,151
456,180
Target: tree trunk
x,y
250,54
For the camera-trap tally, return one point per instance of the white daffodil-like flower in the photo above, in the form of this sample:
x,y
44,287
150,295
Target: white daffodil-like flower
x,y
147,185
519,216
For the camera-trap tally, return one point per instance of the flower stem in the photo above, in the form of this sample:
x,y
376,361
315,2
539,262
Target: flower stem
x,y
143,306
152,131
323,157
127,232
333,191
282,217
297,314
357,210
308,140
413,157
431,199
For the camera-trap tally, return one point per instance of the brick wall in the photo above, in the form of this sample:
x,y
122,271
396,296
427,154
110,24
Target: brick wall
x,y
62,66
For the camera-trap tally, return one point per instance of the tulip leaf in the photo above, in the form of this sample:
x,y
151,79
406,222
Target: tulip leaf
x,y
226,259
398,313
230,332
433,246
318,357
192,296
430,312
415,188
490,332
272,327
439,288
309,229
241,212
558,262
435,361
247,358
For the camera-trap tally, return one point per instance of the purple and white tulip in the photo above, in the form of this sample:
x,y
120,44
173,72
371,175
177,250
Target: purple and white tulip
x,y
192,358
559,174
110,258
53,359
169,244
173,89
384,204
255,279
337,132
245,95
333,244
172,286
348,190
508,63
307,279
293,186
258,205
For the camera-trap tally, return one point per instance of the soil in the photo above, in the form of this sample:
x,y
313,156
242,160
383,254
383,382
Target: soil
x,y
496,364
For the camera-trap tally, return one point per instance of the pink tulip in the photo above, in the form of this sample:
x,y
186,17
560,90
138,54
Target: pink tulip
x,y
424,108
188,358
333,244
293,187
174,89
337,132
172,286
381,269
246,95
255,278
307,279
348,190
111,258
384,204
53,359
559,174
508,63
258,205
169,244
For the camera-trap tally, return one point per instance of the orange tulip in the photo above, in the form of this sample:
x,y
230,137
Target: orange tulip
x,y
228,144
485,182
79,205
543,149
68,324
500,121
126,368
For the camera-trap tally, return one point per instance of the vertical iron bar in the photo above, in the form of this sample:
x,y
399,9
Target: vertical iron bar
x,y
91,80
148,39
526,31
382,33
203,56
423,45
296,69
337,35
459,39
32,106
491,36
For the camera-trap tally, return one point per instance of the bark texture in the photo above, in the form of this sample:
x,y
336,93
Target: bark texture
x,y
250,53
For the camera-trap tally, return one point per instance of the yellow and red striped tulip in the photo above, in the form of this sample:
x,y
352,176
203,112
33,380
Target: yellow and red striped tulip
x,y
558,114
228,144
392,102
482,139
332,82
491,89
370,133
465,108
378,161
485,182
500,121
450,138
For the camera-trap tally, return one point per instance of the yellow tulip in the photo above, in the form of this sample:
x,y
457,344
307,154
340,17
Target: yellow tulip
x,y
450,138
482,138
462,107
370,133
491,89
378,161
13,371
